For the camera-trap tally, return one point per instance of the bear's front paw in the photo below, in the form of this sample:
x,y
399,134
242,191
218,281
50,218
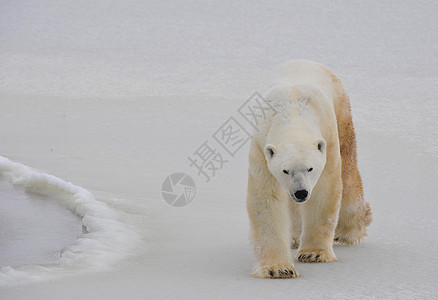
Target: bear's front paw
x,y
315,256
277,271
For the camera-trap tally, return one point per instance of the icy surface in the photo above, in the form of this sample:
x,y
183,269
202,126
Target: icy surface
x,y
114,96
105,239
33,227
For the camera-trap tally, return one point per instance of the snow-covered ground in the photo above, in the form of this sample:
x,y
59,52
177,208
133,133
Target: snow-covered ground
x,y
115,96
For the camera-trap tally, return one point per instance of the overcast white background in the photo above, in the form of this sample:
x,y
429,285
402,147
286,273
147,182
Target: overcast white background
x,y
113,96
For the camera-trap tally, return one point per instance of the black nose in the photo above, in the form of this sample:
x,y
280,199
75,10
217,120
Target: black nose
x,y
301,194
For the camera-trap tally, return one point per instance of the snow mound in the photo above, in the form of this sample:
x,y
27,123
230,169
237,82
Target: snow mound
x,y
105,241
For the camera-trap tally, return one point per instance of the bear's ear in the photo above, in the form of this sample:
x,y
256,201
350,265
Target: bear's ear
x,y
321,145
270,150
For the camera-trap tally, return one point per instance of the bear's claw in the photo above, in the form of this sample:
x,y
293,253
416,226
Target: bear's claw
x,y
347,241
315,256
277,272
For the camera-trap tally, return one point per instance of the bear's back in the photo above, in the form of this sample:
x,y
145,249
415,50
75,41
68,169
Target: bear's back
x,y
306,72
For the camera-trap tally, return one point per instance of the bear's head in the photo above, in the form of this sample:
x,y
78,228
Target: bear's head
x,y
297,166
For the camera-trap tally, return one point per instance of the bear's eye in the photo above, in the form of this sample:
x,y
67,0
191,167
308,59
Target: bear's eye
x,y
310,170
286,172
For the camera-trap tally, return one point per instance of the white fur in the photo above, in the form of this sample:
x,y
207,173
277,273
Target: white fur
x,y
304,100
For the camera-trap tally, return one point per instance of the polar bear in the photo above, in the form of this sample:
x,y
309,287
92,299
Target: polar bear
x,y
304,186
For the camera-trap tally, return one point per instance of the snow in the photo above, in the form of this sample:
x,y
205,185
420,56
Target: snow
x,y
114,96
104,241
26,240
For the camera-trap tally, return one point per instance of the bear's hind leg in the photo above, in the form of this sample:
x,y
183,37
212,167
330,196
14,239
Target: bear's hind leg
x,y
354,217
355,212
